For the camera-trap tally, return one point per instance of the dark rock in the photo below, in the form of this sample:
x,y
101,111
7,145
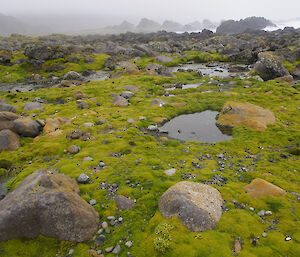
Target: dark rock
x,y
47,203
269,67
79,134
124,203
27,127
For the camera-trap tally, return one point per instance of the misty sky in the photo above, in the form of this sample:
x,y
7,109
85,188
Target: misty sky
x,y
183,11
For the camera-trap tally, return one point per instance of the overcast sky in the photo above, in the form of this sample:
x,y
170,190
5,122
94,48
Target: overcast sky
x,y
179,10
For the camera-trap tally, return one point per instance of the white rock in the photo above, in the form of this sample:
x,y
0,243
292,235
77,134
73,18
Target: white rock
x,y
170,172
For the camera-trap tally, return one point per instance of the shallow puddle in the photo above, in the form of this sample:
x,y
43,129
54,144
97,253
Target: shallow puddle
x,y
195,127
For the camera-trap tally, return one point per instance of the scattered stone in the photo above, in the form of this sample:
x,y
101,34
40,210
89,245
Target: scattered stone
x,y
264,234
127,94
260,188
79,134
130,121
104,225
237,245
128,244
82,105
93,202
73,75
198,206
170,172
152,128
71,251
130,88
288,238
29,106
120,101
83,178
117,249
87,159
73,149
261,213
158,102
47,203
100,239
88,124
79,95
124,203
109,249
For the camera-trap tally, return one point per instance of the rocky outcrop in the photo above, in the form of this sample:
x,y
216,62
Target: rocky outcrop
x,y
241,26
236,114
261,188
269,66
198,206
49,204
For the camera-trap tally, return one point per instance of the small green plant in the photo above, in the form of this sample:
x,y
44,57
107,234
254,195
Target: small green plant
x,y
163,240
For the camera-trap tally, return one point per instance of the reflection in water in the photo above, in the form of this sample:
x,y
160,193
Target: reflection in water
x,y
195,127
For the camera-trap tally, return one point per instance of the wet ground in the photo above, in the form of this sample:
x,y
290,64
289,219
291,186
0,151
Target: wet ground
x,y
195,127
216,69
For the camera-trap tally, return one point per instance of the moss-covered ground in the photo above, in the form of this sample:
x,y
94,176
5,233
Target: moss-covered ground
x,y
144,158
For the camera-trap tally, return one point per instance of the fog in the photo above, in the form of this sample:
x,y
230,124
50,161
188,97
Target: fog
x,y
66,15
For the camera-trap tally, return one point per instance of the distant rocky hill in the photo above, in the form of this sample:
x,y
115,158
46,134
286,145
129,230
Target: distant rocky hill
x,y
250,23
146,25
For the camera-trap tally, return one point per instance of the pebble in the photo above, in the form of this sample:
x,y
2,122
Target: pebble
x,y
152,128
111,218
109,249
104,225
107,231
83,178
93,202
264,234
288,238
261,213
268,213
117,249
128,244
170,172
71,251
130,121
100,240
100,231
88,124
87,159
251,209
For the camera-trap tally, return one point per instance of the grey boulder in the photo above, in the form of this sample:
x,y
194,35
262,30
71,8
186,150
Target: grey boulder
x,y
198,206
47,203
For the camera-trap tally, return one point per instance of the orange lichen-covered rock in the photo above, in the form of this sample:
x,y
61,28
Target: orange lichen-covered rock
x,y
236,114
260,188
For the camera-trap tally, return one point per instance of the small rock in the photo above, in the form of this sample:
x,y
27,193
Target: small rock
x,y
288,238
117,249
73,149
261,213
71,251
251,209
100,240
170,172
93,202
130,121
152,128
109,249
268,213
29,106
83,178
127,94
111,218
88,124
128,244
264,234
104,225
87,159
